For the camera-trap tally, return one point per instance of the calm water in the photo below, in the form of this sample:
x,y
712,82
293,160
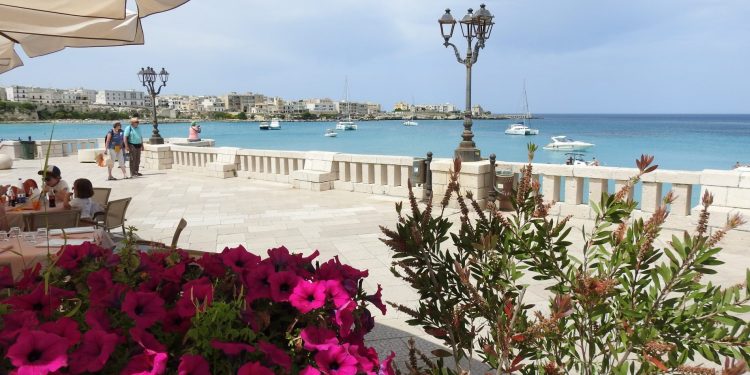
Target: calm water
x,y
687,142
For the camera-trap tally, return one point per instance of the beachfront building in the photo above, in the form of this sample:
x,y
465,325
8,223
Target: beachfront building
x,y
213,104
402,107
477,110
373,108
241,102
321,106
354,108
79,96
37,95
122,98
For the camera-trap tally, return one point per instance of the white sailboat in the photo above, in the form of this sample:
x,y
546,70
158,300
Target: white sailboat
x,y
331,133
347,124
522,128
410,121
275,124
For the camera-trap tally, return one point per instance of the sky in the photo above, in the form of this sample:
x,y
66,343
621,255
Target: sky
x,y
576,56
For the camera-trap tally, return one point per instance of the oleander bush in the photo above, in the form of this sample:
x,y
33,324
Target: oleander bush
x,y
625,305
132,312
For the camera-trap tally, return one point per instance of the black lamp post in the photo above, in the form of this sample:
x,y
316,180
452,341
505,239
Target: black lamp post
x,y
148,78
476,28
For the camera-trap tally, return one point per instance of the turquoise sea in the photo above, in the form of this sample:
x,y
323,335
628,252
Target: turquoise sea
x,y
683,142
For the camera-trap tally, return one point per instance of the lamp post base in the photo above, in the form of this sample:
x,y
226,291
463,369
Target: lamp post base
x,y
468,154
156,140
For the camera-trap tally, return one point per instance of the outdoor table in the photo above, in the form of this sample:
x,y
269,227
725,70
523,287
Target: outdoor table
x,y
33,253
18,216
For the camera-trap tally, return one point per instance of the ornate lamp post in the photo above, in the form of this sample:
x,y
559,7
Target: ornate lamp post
x,y
148,78
476,28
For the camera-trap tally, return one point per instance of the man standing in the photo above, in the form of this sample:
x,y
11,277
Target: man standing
x,y
134,144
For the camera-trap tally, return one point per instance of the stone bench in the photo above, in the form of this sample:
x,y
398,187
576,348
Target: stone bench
x,y
225,165
88,155
319,172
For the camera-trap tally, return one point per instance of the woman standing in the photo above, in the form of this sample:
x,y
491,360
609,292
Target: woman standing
x,y
115,148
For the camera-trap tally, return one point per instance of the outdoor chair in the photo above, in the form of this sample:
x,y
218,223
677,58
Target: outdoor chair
x,y
101,196
113,215
149,245
53,220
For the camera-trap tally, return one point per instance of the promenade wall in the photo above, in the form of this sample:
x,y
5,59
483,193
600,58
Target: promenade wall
x,y
571,187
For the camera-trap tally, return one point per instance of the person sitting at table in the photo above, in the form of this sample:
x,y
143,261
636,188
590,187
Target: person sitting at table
x,y
83,190
54,183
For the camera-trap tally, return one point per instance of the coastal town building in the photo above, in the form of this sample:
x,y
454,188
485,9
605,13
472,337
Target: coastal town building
x,y
321,106
122,98
401,107
3,96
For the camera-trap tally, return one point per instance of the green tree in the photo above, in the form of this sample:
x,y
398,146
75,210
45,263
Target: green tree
x,y
242,116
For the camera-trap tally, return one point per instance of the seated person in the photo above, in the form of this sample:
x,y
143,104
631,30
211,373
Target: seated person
x,y
54,183
195,130
83,191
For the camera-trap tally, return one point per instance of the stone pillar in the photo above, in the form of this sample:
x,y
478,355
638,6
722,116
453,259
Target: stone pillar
x,y
681,204
551,188
573,190
650,196
156,157
597,186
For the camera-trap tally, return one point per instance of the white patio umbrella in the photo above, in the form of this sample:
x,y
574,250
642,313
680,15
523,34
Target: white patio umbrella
x,y
45,26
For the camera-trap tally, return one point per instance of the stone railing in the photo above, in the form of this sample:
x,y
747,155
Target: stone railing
x,y
269,165
375,174
66,147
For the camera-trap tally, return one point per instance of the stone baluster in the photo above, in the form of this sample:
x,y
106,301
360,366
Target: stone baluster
x,y
573,190
597,186
551,187
650,196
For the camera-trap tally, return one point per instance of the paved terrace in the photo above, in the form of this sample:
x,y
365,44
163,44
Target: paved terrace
x,y
262,214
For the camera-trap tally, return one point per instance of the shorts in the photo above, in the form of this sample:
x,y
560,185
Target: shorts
x,y
117,155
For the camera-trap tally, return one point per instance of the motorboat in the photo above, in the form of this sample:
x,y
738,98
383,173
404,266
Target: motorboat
x,y
263,125
275,124
563,143
331,133
520,129
346,125
576,159
410,122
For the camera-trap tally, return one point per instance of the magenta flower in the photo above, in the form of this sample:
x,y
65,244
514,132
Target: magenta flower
x,y
193,365
212,265
386,368
31,278
64,327
97,318
309,370
377,299
146,308
174,274
148,363
282,285
336,292
146,340
344,317
71,255
100,284
347,275
238,259
336,361
254,368
175,323
308,296
6,277
40,302
197,295
316,338
37,352
15,323
275,355
232,348
257,282
94,351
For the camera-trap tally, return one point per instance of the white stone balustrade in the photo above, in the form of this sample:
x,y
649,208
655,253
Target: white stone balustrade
x,y
269,165
68,147
375,174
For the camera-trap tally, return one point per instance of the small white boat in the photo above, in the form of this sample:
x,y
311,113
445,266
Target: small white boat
x,y
563,143
410,123
346,125
331,133
576,159
263,125
275,124
520,129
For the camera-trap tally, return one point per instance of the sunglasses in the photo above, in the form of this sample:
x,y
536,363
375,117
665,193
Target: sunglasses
x,y
49,178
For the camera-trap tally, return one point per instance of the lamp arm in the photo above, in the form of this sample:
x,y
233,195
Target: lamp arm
x,y
479,45
160,87
455,50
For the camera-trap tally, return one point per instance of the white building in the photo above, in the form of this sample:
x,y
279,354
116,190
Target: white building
x,y
79,96
321,106
3,96
128,98
213,104
34,95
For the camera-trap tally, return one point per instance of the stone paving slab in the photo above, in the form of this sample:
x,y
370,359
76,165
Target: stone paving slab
x,y
262,215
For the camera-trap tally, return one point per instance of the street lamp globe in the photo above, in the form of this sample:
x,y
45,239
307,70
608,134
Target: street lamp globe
x,y
164,76
483,23
467,24
447,24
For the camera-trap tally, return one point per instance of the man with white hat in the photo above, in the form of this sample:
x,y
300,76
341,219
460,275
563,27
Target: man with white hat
x,y
134,145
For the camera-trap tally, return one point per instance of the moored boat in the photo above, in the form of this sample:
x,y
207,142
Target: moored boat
x,y
563,143
263,125
275,124
520,129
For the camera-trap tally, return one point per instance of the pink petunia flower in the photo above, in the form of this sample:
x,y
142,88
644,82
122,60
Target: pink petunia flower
x,y
377,299
30,278
282,285
146,340
146,308
15,323
64,327
94,351
317,338
71,255
197,295
174,273
147,363
347,275
238,259
100,284
173,322
232,348
193,365
254,368
275,355
336,361
336,292
309,370
308,296
256,281
344,318
212,265
38,353
386,367
40,302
